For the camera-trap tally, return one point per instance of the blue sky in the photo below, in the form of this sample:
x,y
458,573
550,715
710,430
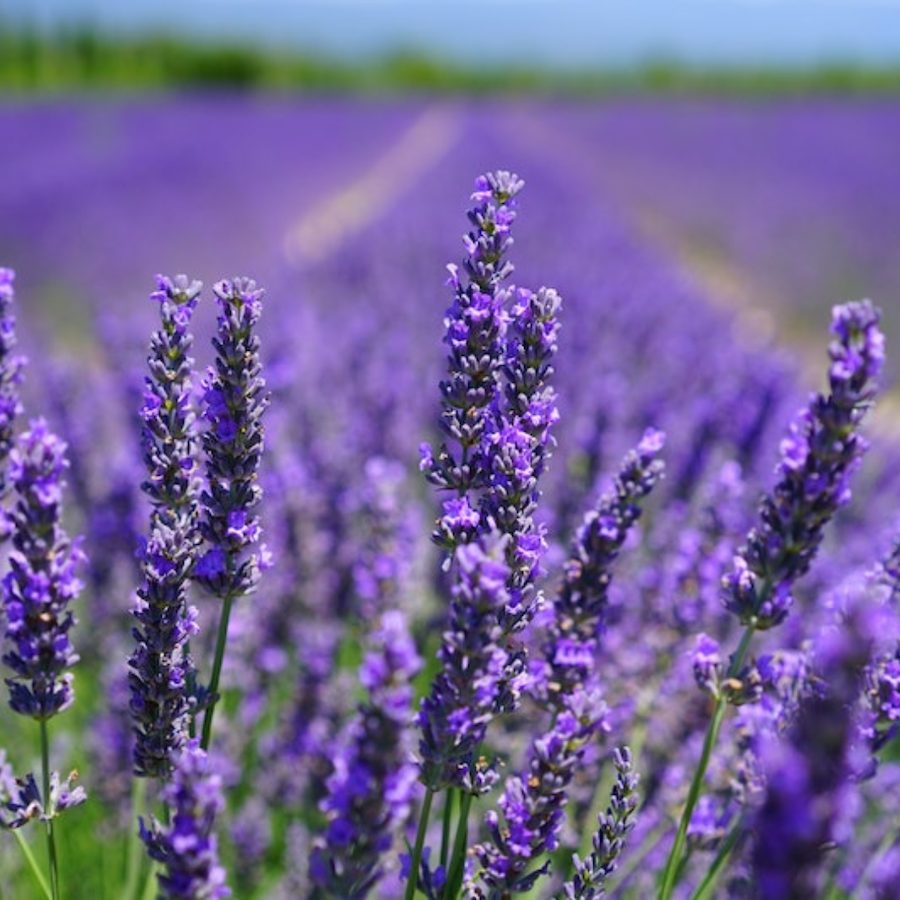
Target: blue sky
x,y
548,32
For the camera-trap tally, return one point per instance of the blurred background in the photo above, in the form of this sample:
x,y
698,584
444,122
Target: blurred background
x,y
753,142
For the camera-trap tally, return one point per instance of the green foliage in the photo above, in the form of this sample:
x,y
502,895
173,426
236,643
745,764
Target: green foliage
x,y
85,58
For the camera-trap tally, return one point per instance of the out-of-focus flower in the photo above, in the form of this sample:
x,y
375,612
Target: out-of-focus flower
x,y
187,846
42,581
370,790
11,366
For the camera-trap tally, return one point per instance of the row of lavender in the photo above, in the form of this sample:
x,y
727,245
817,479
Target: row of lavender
x,y
347,520
797,194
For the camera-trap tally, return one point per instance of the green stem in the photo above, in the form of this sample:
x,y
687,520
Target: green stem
x,y
49,811
221,638
460,843
32,863
712,734
445,831
416,855
133,852
712,875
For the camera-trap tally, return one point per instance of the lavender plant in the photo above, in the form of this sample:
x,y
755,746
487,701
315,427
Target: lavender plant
x,y
38,591
234,399
162,670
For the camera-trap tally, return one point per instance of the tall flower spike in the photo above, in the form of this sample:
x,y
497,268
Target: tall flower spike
x,y
475,331
817,460
533,805
187,846
580,605
370,790
609,840
234,399
41,583
161,670
11,367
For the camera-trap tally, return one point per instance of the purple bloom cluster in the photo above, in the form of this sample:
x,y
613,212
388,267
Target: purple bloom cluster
x,y
817,460
811,795
161,668
10,378
186,846
234,399
532,805
465,694
475,331
370,791
42,581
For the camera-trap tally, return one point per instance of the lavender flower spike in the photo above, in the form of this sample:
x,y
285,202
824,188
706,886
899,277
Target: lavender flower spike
x,y
10,379
580,605
609,841
234,399
370,790
533,805
187,846
475,329
817,460
41,583
161,669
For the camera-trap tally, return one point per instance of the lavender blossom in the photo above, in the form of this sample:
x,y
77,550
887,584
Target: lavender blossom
x,y
464,695
581,602
10,378
187,846
609,840
161,668
475,329
811,791
518,443
41,583
24,800
370,790
234,400
532,805
817,460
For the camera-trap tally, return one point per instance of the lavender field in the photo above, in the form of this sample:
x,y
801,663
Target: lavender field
x,y
370,567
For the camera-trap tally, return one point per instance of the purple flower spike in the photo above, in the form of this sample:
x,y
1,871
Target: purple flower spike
x,y
533,804
234,400
161,668
10,378
41,582
580,605
823,449
475,333
609,840
187,846
370,790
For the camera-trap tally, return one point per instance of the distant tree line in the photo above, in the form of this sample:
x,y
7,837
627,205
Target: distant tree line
x,y
84,58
